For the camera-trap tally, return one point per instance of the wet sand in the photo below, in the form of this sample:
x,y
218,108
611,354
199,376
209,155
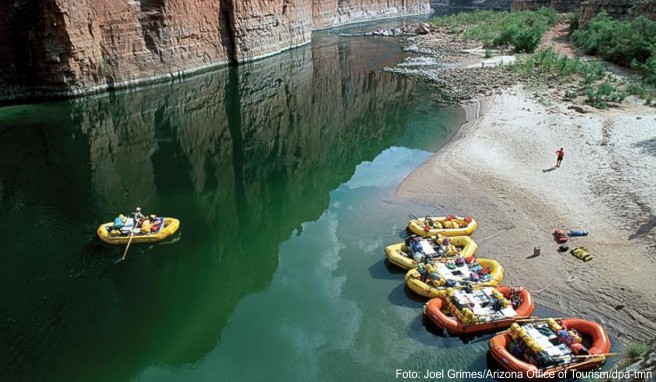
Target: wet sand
x,y
499,168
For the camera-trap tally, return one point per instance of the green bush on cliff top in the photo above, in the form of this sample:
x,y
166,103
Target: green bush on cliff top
x,y
631,44
523,30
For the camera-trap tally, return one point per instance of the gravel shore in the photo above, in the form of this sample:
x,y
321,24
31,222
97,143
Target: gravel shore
x,y
500,169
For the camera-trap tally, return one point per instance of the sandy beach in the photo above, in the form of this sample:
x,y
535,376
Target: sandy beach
x,y
499,168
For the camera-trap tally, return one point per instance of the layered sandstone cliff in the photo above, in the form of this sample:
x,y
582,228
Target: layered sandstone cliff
x,y
559,5
623,9
64,47
472,4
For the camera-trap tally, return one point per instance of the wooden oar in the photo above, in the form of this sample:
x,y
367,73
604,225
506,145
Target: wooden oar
x,y
577,365
537,319
411,215
414,217
127,246
511,318
442,259
597,355
586,355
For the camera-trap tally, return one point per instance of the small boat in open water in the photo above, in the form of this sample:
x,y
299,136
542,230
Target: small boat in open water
x,y
464,311
165,228
543,349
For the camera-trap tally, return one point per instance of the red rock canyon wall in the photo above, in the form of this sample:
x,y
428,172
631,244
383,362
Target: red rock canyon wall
x,y
64,47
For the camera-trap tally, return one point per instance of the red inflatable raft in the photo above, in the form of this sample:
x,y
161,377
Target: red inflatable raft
x,y
481,302
559,356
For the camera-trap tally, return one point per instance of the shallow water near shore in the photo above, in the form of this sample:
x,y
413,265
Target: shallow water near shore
x,y
283,173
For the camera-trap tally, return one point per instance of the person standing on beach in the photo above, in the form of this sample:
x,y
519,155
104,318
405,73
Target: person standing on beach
x,y
559,156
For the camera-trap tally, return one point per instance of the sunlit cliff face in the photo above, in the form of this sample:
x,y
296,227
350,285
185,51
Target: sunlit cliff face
x,y
59,47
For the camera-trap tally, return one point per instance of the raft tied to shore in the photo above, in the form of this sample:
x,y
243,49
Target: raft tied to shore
x,y
449,225
432,281
433,249
464,311
548,347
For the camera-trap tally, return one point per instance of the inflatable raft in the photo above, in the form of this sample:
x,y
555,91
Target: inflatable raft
x,y
485,309
541,350
432,281
436,248
167,228
449,225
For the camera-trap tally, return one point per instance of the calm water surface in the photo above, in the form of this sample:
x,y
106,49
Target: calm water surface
x,y
283,175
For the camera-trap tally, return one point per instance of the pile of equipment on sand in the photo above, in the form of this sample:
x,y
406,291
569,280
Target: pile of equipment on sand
x,y
465,297
562,238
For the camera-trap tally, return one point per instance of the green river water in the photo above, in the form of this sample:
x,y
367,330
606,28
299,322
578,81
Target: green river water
x,y
283,174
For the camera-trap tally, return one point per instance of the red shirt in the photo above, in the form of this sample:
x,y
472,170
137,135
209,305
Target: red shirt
x,y
560,154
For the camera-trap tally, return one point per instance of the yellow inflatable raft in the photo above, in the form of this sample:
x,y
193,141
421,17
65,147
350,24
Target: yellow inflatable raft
x,y
399,254
170,226
435,287
443,225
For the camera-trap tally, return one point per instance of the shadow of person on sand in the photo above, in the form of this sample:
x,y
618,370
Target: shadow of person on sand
x,y
548,169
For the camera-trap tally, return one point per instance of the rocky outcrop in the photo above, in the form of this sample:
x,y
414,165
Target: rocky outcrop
x,y
559,5
472,4
63,47
623,9
587,8
66,47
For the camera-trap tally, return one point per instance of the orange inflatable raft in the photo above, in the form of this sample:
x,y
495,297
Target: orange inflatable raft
x,y
480,310
551,348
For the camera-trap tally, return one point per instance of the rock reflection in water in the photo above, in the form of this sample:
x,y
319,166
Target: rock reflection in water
x,y
242,157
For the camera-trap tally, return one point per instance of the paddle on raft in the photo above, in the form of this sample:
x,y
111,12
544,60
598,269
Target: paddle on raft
x,y
414,217
587,355
577,365
537,319
126,247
